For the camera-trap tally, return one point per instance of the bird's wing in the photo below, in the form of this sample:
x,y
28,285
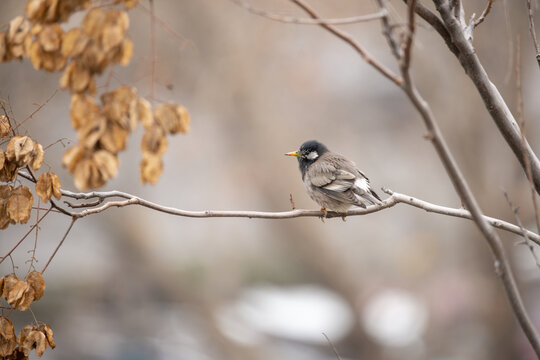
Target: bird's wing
x,y
335,183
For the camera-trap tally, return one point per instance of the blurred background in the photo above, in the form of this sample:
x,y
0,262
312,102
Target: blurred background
x,y
132,283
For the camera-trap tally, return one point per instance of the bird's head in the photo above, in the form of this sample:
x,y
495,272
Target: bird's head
x,y
308,153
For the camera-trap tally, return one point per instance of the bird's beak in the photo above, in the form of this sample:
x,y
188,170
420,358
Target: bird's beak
x,y
292,153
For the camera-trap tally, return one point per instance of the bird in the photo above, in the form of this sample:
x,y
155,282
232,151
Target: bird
x,y
331,180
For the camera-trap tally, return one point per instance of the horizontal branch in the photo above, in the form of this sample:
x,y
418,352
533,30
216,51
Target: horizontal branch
x,y
395,198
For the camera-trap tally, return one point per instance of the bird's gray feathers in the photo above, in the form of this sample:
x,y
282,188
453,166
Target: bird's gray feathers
x,y
339,179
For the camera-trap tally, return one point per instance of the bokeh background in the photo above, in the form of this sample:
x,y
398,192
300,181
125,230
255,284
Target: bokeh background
x,y
132,283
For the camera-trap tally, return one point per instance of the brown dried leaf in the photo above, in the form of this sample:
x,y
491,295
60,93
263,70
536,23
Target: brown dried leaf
x,y
151,168
20,296
8,340
83,110
48,185
3,46
114,138
46,329
93,22
36,282
113,32
5,127
2,159
144,113
5,193
37,156
30,338
172,117
154,141
126,52
90,134
7,282
74,42
72,157
19,204
19,27
7,173
76,77
120,106
35,9
50,38
19,150
107,164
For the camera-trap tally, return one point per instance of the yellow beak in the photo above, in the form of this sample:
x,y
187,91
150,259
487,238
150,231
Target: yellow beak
x,y
292,153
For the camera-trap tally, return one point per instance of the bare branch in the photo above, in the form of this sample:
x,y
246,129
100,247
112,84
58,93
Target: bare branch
x,y
395,198
407,45
351,41
484,13
59,244
532,29
388,31
310,21
493,100
528,241
521,122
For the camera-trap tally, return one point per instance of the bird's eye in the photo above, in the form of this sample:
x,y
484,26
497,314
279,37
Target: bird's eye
x,y
312,155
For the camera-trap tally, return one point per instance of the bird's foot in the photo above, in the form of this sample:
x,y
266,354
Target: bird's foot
x,y
325,213
344,216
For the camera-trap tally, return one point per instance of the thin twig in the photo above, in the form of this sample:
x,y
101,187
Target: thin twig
x,y
407,45
310,21
484,14
521,122
351,41
532,30
40,106
59,244
388,31
528,241
25,236
332,346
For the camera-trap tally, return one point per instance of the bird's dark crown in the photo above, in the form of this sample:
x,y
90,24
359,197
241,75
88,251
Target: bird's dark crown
x,y
307,148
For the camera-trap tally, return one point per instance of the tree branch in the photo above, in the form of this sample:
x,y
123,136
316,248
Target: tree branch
x,y
493,100
310,21
532,30
351,41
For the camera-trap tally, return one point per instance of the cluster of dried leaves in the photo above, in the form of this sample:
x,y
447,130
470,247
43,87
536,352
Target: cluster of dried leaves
x,y
21,293
84,52
31,337
16,202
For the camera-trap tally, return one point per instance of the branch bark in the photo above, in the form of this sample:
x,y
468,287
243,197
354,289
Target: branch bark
x,y
491,97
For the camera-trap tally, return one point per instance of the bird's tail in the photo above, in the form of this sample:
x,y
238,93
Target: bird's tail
x,y
369,198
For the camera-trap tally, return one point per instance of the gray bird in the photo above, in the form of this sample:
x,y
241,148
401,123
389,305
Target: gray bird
x,y
331,180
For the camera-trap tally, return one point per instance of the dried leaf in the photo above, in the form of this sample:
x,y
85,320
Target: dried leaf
x,y
72,157
128,4
5,127
30,338
7,282
5,193
20,296
19,27
2,159
172,117
74,42
19,204
19,150
154,141
114,138
37,156
76,77
46,329
113,32
36,282
50,37
90,134
126,52
83,110
48,185
8,341
107,164
151,168
120,106
7,173
144,113
3,46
